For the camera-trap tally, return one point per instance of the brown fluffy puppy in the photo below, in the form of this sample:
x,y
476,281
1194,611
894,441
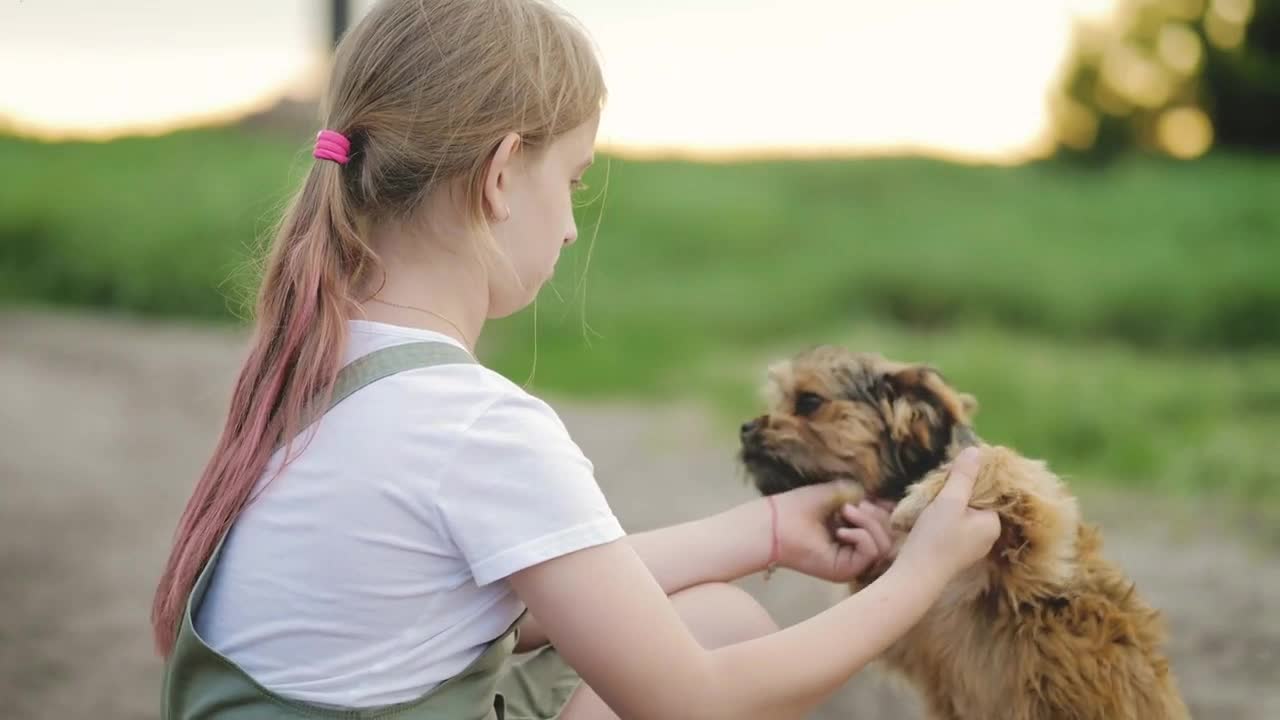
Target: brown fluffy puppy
x,y
1045,627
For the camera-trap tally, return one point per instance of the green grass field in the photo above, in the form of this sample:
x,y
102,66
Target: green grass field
x,y
1123,323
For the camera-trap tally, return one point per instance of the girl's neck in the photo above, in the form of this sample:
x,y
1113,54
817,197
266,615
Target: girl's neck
x,y
423,282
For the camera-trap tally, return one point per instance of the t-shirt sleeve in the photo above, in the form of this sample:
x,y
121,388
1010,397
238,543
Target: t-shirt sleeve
x,y
518,491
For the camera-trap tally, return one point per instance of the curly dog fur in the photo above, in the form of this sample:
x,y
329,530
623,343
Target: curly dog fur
x,y
1045,627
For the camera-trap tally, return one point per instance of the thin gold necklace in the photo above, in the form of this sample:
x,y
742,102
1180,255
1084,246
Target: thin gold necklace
x,y
428,312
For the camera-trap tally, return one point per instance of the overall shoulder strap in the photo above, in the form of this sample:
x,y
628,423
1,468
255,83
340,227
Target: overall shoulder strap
x,y
391,360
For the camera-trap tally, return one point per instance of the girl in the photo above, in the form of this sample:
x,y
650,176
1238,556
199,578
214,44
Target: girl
x,y
374,561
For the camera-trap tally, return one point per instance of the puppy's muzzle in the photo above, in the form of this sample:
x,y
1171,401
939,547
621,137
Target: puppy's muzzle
x,y
750,432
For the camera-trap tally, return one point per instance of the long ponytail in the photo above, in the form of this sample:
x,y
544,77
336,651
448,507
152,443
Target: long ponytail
x,y
293,360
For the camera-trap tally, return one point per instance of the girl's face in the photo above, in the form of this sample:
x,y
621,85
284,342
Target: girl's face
x,y
529,193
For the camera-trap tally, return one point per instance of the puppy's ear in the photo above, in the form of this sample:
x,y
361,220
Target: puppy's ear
x,y
923,412
921,383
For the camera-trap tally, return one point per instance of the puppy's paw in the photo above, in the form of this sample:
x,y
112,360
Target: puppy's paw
x,y
927,488
848,492
1039,518
917,499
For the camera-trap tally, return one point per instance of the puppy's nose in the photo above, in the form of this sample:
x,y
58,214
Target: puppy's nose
x,y
750,428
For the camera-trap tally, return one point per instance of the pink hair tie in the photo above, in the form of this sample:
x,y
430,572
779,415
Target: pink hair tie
x,y
333,146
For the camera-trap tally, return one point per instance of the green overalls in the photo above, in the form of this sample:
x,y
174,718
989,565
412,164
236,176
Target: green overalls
x,y
200,683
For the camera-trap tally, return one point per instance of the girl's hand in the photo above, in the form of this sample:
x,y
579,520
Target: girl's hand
x,y
808,545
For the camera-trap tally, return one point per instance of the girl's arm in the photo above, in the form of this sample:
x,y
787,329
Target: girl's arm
x,y
739,541
735,543
612,621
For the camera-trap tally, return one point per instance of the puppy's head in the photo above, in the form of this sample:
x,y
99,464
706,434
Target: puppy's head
x,y
837,415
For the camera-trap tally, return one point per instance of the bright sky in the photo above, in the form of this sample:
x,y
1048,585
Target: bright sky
x,y
963,78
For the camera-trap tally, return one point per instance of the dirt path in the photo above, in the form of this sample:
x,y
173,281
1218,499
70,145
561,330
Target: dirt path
x,y
104,424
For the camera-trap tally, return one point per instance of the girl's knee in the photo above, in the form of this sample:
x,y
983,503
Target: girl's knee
x,y
721,614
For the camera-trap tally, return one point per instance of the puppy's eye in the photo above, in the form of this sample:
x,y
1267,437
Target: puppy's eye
x,y
807,403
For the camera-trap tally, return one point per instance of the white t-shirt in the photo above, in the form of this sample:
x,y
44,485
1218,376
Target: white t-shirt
x,y
373,568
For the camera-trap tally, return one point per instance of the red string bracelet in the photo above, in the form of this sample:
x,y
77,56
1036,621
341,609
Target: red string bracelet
x,y
775,547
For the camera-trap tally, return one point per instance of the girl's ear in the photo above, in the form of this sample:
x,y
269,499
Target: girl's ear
x,y
497,177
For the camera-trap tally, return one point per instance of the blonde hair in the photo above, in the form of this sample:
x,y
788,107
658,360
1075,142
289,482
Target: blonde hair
x,y
425,90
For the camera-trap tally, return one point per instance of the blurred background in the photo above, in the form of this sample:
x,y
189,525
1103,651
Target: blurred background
x,y
1070,207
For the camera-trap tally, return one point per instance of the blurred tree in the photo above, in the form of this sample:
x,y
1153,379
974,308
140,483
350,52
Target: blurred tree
x,y
1243,84
1174,75
339,19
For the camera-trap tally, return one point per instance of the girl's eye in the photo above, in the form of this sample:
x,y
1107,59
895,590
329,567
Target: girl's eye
x,y
576,186
807,403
